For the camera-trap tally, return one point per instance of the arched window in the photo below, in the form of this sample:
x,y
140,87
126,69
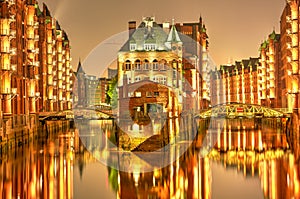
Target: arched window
x,y
127,65
163,65
146,65
155,64
137,65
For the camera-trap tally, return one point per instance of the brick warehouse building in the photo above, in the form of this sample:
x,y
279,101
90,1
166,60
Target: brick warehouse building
x,y
35,74
235,83
88,90
278,67
159,54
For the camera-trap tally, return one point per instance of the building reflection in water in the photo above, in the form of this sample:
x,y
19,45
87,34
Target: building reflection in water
x,y
45,168
261,152
41,169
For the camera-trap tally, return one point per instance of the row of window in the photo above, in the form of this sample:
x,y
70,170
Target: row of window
x,y
139,94
147,47
158,79
146,66
146,63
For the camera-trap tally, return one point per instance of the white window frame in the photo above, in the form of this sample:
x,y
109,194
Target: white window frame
x,y
132,47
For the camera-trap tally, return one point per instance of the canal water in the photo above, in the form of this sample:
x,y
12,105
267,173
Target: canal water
x,y
246,161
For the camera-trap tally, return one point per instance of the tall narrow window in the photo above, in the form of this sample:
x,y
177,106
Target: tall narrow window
x,y
163,65
132,47
146,65
155,65
137,65
127,65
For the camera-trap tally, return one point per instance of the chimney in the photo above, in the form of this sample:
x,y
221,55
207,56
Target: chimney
x,y
131,27
166,27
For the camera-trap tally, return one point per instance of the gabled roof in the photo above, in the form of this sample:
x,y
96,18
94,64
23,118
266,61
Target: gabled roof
x,y
274,36
173,35
148,32
79,68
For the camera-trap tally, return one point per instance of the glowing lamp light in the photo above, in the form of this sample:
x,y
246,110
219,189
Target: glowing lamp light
x,y
135,128
14,91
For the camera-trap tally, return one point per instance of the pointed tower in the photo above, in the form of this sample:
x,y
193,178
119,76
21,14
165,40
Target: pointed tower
x,y
174,42
81,91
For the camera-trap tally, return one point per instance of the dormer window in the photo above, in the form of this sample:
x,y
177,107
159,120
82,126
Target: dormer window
x,y
132,47
149,47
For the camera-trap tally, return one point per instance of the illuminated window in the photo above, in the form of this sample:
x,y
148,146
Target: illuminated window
x,y
163,80
130,94
138,94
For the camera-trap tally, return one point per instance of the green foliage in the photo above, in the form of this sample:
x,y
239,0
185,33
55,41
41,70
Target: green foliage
x,y
112,93
113,179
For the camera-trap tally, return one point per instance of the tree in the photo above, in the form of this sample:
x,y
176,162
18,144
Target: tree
x,y
112,93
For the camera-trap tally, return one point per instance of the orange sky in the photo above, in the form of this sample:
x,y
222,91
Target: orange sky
x,y
235,27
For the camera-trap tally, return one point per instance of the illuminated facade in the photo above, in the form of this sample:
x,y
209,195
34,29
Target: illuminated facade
x,y
35,63
55,71
251,81
235,83
289,28
159,54
37,59
152,57
269,80
195,62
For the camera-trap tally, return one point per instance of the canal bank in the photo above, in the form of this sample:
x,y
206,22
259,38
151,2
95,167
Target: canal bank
x,y
21,130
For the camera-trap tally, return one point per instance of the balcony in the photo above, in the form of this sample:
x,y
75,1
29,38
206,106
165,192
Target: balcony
x,y
13,67
5,50
13,34
13,51
4,31
12,18
36,24
8,91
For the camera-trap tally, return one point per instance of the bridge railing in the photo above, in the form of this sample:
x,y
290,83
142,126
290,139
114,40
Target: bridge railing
x,y
284,110
243,110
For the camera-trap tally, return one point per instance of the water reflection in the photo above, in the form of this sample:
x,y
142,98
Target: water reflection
x,y
245,163
40,169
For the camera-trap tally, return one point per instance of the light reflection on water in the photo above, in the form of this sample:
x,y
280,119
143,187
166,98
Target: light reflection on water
x,y
249,164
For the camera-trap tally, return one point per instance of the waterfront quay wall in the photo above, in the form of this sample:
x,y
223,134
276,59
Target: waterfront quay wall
x,y
19,130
